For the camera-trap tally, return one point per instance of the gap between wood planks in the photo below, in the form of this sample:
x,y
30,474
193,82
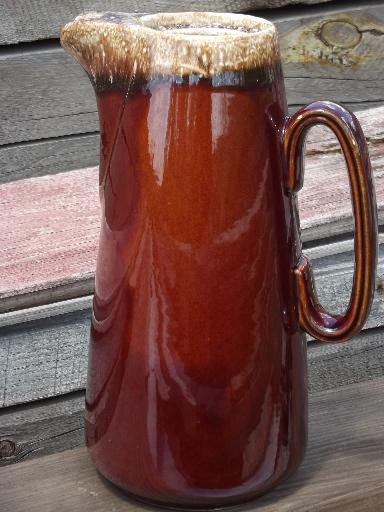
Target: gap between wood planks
x,y
343,468
55,424
36,85
62,212
48,95
331,247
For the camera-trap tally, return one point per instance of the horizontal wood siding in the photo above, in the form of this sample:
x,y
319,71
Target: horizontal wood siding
x,y
48,156
49,224
43,358
30,20
53,425
48,356
50,252
44,94
342,471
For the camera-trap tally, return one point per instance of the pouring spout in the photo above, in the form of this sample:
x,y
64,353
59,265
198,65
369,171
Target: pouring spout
x,y
105,44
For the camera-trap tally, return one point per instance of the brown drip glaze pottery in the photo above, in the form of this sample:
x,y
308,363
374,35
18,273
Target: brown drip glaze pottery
x,y
197,390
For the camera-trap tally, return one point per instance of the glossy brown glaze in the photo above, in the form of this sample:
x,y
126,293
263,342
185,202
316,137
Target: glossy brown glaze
x,y
318,322
196,391
197,385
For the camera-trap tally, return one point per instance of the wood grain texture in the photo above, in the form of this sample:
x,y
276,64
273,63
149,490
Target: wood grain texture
x,y
45,94
40,428
43,356
20,316
43,427
50,156
56,424
50,252
343,468
324,253
54,231
30,20
337,55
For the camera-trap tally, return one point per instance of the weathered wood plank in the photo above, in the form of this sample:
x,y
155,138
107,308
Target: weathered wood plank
x,y
50,156
42,357
331,271
40,428
53,238
45,94
50,253
324,253
30,20
343,38
325,260
56,424
343,468
21,316
334,366
336,55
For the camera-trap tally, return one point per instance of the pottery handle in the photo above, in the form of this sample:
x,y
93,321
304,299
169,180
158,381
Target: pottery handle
x,y
313,318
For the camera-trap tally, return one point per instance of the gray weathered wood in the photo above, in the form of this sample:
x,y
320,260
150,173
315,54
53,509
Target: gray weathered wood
x,y
50,156
43,427
50,253
48,357
333,277
337,56
43,358
333,366
20,316
30,20
45,94
56,424
29,365
343,468
322,256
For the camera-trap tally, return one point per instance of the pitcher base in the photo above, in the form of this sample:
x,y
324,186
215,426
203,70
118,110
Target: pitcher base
x,y
208,504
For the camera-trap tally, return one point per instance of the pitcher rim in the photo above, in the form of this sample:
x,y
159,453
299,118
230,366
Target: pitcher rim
x,y
178,43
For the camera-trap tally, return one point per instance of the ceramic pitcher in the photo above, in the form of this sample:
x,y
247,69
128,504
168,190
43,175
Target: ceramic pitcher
x,y
197,388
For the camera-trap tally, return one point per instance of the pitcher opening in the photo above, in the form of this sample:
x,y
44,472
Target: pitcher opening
x,y
114,47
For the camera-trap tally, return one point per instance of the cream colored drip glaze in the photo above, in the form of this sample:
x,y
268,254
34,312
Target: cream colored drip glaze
x,y
116,46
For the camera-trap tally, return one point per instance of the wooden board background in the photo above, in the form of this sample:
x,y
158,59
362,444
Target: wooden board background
x,y
30,20
48,426
50,252
47,262
342,471
49,226
47,356
47,106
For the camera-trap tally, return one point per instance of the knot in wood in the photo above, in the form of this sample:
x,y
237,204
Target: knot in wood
x,y
7,448
341,34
